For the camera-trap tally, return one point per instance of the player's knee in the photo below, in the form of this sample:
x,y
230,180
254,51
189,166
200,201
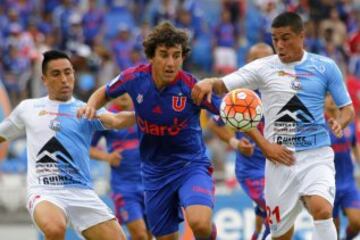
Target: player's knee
x,y
355,224
54,231
320,213
139,235
200,228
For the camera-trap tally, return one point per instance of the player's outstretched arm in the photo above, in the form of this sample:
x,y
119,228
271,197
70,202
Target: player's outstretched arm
x,y
96,101
113,158
272,151
242,145
120,120
205,87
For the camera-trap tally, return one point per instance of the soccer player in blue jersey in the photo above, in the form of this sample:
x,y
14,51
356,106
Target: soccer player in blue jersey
x,y
293,84
250,162
347,197
177,174
126,184
59,187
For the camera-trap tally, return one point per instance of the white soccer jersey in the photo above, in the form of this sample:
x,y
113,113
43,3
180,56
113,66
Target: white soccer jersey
x,y
57,141
293,97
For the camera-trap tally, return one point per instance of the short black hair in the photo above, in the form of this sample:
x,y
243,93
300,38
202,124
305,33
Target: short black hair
x,y
52,55
168,35
288,19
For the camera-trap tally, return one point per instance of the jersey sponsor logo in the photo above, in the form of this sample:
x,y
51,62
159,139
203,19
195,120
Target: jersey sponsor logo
x,y
294,111
294,75
44,113
160,130
54,164
296,141
178,103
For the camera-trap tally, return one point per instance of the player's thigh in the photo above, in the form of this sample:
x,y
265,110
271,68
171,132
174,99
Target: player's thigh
x,y
108,230
282,198
128,207
163,210
48,215
353,215
137,229
254,188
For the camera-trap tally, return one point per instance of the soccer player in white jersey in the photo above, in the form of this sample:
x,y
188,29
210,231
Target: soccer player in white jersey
x,y
59,188
293,85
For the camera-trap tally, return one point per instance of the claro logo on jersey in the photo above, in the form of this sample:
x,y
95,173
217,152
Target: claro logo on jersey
x,y
160,130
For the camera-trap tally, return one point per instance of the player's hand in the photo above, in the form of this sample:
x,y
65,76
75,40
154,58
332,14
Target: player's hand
x,y
335,127
202,89
86,112
279,154
246,147
114,158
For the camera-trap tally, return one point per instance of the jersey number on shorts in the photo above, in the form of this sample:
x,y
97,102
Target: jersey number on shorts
x,y
275,212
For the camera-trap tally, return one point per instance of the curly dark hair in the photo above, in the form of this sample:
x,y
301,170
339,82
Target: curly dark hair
x,y
165,34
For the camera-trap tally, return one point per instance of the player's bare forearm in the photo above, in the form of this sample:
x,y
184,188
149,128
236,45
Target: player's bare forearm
x,y
96,101
219,86
356,152
113,158
120,120
346,115
272,151
222,132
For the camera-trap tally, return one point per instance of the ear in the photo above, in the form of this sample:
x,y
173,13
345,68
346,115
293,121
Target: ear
x,y
43,78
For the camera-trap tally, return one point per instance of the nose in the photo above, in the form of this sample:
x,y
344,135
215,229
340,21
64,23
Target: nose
x,y
171,61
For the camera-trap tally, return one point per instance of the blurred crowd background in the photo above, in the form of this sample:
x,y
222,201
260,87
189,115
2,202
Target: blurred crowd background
x,y
104,37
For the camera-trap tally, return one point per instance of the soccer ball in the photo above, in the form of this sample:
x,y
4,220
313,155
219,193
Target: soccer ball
x,y
241,109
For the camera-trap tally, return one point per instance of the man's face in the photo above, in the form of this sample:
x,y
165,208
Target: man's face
x,y
59,79
288,44
166,64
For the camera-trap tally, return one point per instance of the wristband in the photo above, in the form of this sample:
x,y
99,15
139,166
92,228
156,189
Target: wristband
x,y
234,143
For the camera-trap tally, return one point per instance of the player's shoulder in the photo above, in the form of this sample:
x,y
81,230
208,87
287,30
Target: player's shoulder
x,y
186,78
33,102
316,58
133,72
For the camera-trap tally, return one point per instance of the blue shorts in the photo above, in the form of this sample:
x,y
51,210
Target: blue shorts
x,y
254,188
347,198
164,205
128,206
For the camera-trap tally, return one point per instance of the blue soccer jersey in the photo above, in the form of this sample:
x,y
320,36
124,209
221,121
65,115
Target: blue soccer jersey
x,y
168,122
127,176
343,162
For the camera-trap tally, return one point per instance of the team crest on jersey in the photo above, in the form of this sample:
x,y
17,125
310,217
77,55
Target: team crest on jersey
x,y
139,98
178,103
296,84
54,125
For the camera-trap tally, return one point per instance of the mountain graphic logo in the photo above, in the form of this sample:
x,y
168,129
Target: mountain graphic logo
x,y
52,152
295,111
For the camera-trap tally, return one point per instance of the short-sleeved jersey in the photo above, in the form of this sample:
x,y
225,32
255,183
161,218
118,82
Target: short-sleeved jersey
x,y
343,163
293,97
57,142
126,176
168,123
252,167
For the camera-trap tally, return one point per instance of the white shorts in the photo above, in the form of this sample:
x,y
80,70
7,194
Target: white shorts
x,y
82,207
312,174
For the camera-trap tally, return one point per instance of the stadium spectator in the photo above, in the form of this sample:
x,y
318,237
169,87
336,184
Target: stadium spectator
x,y
176,170
296,143
59,184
